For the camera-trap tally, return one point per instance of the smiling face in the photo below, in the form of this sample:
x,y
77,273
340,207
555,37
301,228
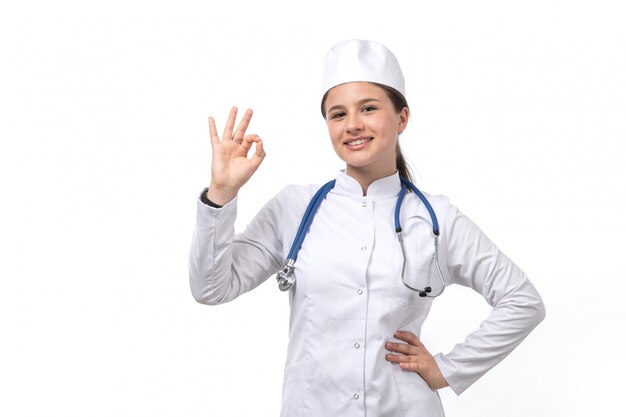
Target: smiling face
x,y
364,127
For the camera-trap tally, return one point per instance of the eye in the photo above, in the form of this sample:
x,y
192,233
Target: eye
x,y
368,109
337,115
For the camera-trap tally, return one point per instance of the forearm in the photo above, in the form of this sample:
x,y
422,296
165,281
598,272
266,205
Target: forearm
x,y
472,260
508,324
224,265
210,257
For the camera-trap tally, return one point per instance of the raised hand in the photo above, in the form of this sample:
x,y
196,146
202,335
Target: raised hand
x,y
230,166
415,358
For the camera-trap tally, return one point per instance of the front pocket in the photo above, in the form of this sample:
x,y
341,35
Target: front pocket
x,y
295,388
418,398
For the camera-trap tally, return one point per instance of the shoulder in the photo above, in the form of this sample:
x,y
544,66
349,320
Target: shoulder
x,y
447,213
292,199
458,231
281,214
440,203
297,192
295,195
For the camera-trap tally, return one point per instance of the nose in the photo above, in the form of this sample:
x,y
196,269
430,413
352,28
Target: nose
x,y
355,123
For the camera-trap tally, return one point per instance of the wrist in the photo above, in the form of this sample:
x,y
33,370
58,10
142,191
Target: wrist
x,y
219,196
204,199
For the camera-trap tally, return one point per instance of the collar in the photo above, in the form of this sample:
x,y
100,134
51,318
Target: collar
x,y
382,188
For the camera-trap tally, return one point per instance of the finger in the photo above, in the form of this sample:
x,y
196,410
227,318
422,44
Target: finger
x,y
230,124
406,363
259,154
402,348
213,132
408,337
247,141
260,151
411,366
242,126
400,358
392,358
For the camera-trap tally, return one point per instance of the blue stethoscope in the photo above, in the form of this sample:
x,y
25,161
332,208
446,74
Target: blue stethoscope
x,y
286,277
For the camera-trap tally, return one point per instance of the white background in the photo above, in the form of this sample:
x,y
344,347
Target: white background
x,y
518,115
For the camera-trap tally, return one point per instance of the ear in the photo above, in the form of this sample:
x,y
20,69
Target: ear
x,y
404,119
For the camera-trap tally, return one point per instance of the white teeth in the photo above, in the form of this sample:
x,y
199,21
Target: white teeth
x,y
358,142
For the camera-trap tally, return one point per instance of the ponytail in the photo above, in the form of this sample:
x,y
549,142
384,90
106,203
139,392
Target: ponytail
x,y
399,103
403,168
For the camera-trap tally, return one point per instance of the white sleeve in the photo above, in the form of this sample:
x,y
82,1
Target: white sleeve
x,y
223,265
473,261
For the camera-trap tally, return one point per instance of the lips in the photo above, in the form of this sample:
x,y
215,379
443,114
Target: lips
x,y
358,141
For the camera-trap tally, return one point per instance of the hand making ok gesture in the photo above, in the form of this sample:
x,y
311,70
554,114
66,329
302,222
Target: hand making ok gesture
x,y
230,166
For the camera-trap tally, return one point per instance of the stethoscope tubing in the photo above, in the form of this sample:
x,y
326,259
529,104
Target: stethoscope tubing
x,y
307,219
422,197
286,277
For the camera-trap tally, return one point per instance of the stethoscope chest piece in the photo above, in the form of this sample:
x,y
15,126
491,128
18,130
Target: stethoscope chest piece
x,y
286,277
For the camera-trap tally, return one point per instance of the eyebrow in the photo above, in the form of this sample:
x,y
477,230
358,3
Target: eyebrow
x,y
360,103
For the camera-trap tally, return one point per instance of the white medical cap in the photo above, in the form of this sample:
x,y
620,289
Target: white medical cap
x,y
360,60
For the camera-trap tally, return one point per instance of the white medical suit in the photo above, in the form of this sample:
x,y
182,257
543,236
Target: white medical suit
x,y
349,300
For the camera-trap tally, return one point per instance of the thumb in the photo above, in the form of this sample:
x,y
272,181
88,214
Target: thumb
x,y
259,153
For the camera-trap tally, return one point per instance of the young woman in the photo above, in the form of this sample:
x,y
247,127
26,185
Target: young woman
x,y
365,282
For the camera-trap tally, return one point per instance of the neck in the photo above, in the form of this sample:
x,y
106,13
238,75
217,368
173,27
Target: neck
x,y
365,177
